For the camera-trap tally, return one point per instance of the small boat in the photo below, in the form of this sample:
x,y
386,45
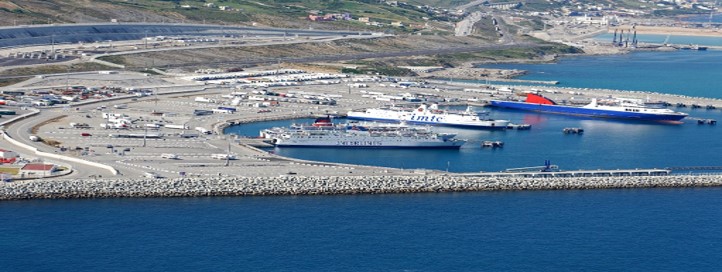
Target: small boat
x,y
492,144
573,131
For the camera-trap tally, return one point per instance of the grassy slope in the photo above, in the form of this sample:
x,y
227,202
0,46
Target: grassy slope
x,y
281,13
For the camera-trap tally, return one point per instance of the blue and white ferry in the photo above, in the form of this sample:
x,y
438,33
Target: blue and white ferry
x,y
429,115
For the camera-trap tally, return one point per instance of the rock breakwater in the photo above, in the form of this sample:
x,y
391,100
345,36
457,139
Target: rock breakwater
x,y
300,185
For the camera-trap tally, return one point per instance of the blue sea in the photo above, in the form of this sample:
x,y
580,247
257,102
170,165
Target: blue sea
x,y
579,230
594,230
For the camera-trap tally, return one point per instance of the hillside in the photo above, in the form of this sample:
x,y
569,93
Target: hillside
x,y
274,13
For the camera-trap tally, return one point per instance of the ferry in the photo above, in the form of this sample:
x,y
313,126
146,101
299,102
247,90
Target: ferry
x,y
618,108
428,115
357,136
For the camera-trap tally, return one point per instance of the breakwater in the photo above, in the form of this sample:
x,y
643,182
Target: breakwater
x,y
303,185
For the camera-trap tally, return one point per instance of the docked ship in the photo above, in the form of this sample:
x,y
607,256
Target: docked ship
x,y
618,108
428,115
357,135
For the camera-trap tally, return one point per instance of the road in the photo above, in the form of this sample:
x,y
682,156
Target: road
x,y
22,36
466,26
469,5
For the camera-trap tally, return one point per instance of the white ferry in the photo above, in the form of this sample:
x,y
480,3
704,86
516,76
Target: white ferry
x,y
357,135
428,115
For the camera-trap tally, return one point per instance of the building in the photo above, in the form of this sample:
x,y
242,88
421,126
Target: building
x,y
329,17
37,170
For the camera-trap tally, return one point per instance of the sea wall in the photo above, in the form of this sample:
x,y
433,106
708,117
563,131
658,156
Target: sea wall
x,y
299,185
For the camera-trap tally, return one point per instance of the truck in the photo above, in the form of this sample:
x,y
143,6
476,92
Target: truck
x,y
222,111
188,135
202,130
169,156
202,112
232,109
176,126
223,156
153,126
79,125
204,100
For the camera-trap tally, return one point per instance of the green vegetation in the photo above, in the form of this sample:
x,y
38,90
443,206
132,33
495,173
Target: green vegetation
x,y
439,3
10,81
150,72
290,10
10,170
532,23
114,59
378,68
53,69
507,54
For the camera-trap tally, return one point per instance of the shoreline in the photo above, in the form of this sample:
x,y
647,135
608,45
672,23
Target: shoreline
x,y
327,185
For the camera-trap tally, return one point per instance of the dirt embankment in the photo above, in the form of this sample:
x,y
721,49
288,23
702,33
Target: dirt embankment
x,y
342,47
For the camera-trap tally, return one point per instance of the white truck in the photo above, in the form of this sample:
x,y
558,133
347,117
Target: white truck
x,y
202,130
169,156
176,126
223,156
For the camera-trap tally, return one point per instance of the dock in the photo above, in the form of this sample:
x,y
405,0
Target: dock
x,y
254,142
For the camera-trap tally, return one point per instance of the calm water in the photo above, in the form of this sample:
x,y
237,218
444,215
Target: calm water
x,y
598,230
693,73
595,230
659,39
604,144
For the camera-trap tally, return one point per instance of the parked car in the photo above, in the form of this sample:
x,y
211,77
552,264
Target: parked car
x,y
85,134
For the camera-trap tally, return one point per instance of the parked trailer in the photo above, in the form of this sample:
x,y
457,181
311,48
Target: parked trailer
x,y
203,130
177,127
227,108
138,135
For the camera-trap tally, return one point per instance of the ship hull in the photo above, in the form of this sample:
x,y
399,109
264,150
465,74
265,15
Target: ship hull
x,y
589,112
417,120
366,143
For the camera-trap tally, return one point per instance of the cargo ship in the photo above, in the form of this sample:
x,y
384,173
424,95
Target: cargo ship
x,y
618,108
361,136
429,115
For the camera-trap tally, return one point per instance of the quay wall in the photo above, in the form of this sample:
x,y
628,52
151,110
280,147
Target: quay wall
x,y
311,185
